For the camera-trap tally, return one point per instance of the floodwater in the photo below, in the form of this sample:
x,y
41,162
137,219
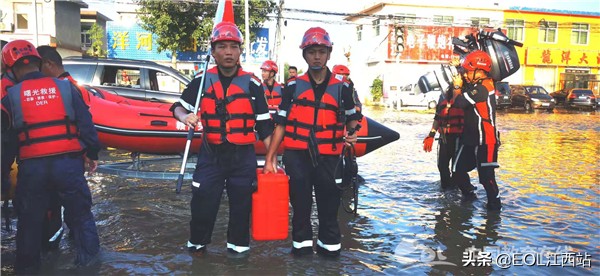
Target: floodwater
x,y
549,181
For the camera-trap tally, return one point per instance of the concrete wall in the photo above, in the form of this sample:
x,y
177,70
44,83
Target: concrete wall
x,y
68,21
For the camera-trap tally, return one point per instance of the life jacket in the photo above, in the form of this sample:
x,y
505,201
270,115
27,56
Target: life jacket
x,y
485,113
7,81
451,120
330,116
44,118
228,115
273,96
84,93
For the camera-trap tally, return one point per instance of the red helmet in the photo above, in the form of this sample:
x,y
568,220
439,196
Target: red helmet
x,y
226,31
315,36
477,60
18,49
341,69
269,65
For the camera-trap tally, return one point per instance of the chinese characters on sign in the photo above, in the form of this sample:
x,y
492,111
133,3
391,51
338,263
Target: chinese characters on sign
x,y
40,96
426,43
565,57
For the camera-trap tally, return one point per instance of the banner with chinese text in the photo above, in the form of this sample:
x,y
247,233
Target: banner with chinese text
x,y
562,57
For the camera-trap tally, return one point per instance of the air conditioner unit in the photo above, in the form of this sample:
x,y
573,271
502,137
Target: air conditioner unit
x,y
6,27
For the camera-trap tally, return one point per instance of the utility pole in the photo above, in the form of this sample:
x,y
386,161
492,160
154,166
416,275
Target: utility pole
x,y
35,19
278,41
247,32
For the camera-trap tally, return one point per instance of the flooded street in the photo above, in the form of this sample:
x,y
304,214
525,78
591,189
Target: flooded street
x,y
549,181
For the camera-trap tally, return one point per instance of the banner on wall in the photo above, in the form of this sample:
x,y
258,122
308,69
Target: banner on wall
x,y
133,42
424,43
562,57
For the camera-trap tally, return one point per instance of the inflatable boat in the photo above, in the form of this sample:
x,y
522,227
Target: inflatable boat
x,y
149,127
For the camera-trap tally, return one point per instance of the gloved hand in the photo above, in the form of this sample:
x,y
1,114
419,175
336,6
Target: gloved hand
x,y
428,143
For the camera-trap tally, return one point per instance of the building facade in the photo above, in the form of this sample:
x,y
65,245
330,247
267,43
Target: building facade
x,y
398,43
51,22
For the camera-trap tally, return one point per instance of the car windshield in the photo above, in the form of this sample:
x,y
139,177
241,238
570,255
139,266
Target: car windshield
x,y
536,90
582,92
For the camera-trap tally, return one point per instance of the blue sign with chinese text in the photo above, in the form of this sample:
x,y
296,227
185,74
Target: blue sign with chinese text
x,y
133,42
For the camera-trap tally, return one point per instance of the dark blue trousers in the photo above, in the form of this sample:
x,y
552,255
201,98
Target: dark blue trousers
x,y
223,166
37,180
303,177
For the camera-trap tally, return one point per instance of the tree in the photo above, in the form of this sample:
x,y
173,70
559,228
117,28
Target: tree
x,y
377,89
96,33
183,25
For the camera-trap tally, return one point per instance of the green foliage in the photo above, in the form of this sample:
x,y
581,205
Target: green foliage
x,y
179,24
377,89
96,33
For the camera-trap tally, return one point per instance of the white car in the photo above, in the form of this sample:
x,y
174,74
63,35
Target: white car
x,y
411,95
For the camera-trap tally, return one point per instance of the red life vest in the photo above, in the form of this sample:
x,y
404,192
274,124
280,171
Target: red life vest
x,y
84,93
228,115
44,118
451,119
7,81
273,96
328,124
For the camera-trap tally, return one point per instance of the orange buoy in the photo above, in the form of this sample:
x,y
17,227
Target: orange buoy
x,y
270,206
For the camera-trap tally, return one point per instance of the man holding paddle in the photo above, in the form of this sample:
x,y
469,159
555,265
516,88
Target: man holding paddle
x,y
234,113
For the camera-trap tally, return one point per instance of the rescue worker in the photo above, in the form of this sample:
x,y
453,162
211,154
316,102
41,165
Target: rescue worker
x,y
52,66
56,139
8,153
8,150
292,72
232,106
345,71
271,87
448,121
479,142
315,115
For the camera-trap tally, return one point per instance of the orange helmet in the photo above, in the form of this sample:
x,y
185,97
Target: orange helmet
x,y
341,69
316,36
269,65
477,60
226,31
17,50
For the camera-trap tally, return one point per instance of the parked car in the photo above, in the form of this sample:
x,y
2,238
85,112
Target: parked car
x,y
136,79
579,97
502,95
530,97
411,95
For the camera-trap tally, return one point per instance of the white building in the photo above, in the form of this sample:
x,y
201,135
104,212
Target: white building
x,y
424,33
54,23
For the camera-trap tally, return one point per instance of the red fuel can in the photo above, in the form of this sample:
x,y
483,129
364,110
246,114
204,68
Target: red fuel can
x,y
270,206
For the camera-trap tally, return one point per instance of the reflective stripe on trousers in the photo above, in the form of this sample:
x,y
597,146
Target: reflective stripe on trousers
x,y
303,177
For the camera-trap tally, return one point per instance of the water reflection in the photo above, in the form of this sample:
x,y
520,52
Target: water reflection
x,y
548,178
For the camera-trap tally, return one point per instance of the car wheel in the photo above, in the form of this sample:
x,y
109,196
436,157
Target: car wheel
x,y
432,105
528,106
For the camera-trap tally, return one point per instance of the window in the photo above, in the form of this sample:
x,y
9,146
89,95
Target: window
x,y
443,20
83,73
515,29
25,17
86,40
579,34
548,31
405,18
480,21
120,76
376,26
359,32
160,81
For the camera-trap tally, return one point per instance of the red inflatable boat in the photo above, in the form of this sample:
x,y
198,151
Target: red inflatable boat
x,y
149,127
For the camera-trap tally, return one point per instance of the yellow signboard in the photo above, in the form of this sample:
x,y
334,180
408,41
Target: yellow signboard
x,y
562,57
